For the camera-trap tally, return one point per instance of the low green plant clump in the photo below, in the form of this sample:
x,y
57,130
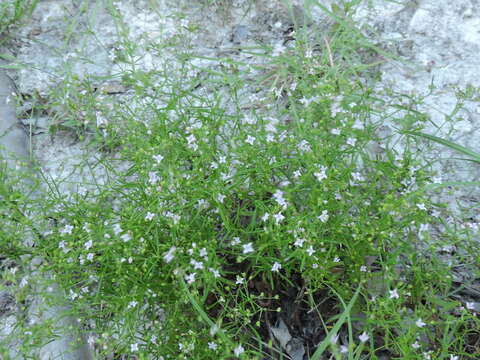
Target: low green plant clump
x,y
228,223
12,12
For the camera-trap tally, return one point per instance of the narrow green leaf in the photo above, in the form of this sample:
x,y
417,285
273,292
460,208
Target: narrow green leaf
x,y
450,144
451,183
327,341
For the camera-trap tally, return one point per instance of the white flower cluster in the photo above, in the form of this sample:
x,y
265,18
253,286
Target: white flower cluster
x,y
279,198
321,174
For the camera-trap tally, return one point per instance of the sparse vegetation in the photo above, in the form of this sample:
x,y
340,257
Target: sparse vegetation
x,y
12,12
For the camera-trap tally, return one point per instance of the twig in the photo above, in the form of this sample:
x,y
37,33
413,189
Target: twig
x,y
330,57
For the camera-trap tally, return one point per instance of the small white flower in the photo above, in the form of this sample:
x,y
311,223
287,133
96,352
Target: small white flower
x,y
249,120
363,268
276,267
132,304
175,218
238,350
427,355
310,250
149,216
307,102
235,241
89,256
420,323
423,227
170,254
335,132
299,242
343,349
336,259
73,295
421,206
202,204
321,175
304,146
250,140
278,196
24,282
117,229
239,280
67,229
270,138
265,216
324,216
358,125
215,272
190,278
126,237
212,346
220,198
278,218
357,176
351,141
197,265
158,158
364,337
62,245
203,252
470,305
153,178
416,345
394,294
214,329
297,174
454,357
334,339
248,248
134,347
193,146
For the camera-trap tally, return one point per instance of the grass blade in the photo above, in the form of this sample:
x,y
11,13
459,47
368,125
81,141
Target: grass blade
x,y
346,313
451,183
473,154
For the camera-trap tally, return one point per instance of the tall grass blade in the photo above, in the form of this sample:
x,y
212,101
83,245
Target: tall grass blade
x,y
327,341
473,154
